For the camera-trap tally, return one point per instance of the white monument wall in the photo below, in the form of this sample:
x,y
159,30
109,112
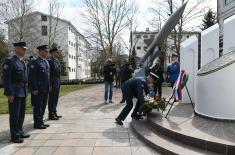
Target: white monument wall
x,y
189,62
215,94
229,34
209,44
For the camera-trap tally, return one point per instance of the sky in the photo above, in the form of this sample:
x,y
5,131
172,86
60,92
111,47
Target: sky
x,y
72,12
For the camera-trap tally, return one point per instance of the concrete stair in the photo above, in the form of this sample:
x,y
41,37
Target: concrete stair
x,y
162,143
194,136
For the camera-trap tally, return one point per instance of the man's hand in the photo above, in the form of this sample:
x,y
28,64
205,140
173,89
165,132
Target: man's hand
x,y
10,99
35,92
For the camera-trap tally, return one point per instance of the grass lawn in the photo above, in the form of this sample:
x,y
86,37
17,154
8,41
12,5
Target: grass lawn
x,y
64,90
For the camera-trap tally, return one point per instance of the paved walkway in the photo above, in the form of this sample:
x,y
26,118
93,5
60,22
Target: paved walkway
x,y
87,128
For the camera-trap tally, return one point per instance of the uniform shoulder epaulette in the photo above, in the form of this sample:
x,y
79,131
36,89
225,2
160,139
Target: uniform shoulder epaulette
x,y
6,62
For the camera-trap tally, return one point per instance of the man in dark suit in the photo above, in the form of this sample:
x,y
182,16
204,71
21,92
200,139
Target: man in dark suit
x,y
55,71
135,88
40,86
126,74
15,78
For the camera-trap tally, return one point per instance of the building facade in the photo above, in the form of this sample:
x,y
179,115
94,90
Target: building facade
x,y
45,29
225,9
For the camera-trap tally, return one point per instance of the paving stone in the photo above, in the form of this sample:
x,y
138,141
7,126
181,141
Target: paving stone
x,y
45,151
121,142
104,142
65,151
103,151
86,142
87,128
34,143
26,151
53,143
84,150
42,136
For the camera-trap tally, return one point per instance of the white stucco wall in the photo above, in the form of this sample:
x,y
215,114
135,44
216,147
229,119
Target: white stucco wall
x,y
215,94
209,44
189,63
229,33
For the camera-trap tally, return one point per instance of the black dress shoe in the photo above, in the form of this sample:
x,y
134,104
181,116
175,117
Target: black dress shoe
x,y
39,127
118,121
53,118
46,125
19,140
24,136
58,116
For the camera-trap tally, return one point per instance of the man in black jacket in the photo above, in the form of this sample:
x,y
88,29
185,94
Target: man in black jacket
x,y
109,72
156,69
127,74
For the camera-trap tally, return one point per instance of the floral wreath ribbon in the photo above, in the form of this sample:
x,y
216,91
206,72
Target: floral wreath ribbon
x,y
178,87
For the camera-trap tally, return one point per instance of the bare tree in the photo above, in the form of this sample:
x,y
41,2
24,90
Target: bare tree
x,y
18,15
105,20
166,8
55,9
17,10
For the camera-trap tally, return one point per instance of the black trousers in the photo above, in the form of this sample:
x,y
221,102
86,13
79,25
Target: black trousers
x,y
17,115
39,103
53,101
129,105
123,98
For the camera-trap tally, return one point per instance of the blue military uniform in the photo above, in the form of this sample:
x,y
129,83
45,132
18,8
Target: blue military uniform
x,y
134,87
173,71
39,81
55,71
15,77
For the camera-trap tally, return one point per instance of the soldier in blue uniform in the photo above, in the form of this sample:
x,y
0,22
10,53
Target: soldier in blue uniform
x,y
55,70
173,70
135,87
15,78
40,86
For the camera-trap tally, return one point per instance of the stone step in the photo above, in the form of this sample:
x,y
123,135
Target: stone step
x,y
189,134
163,144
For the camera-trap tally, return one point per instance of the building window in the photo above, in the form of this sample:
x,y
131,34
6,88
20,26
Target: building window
x,y
138,48
44,30
228,1
43,18
138,36
145,36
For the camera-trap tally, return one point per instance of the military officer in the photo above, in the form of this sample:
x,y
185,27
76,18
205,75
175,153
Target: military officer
x,y
15,77
55,71
40,86
173,70
135,87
